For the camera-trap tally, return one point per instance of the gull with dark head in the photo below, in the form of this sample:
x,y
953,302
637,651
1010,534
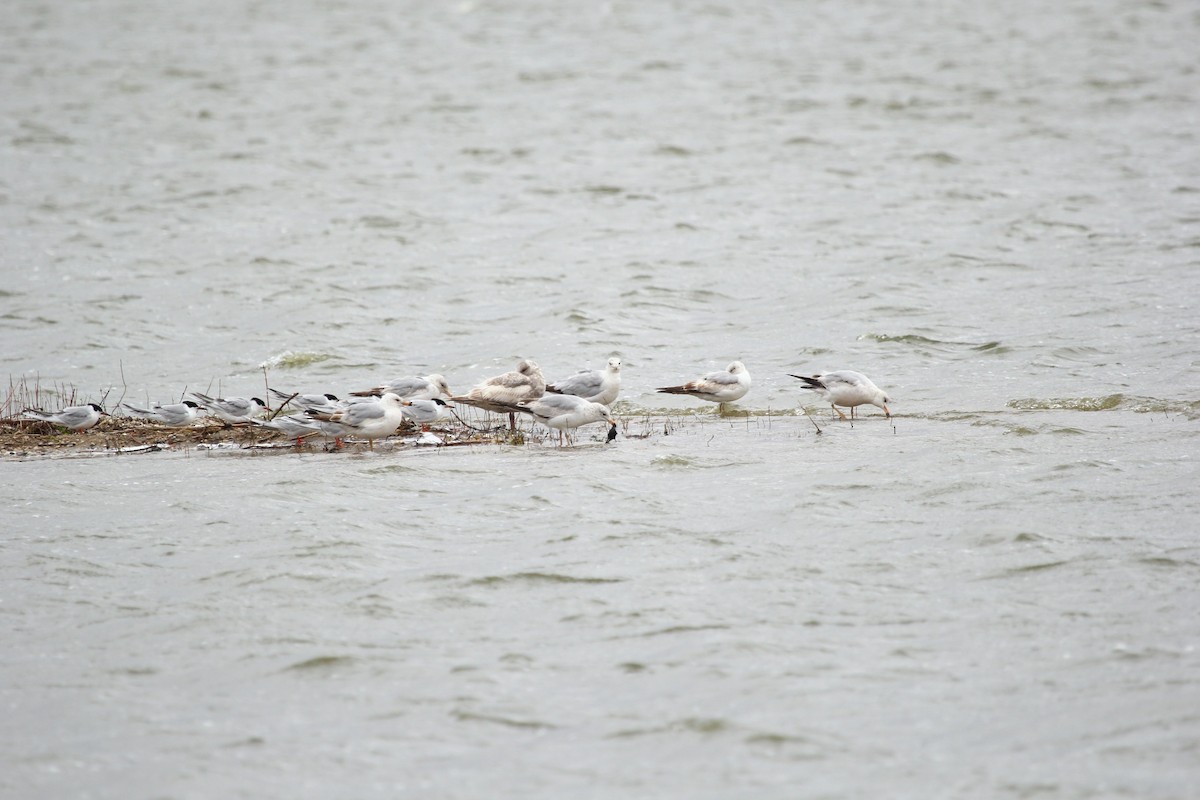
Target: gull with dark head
x,y
598,386
502,392
73,418
847,388
716,387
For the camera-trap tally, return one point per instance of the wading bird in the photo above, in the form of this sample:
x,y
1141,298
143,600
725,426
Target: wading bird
x,y
846,388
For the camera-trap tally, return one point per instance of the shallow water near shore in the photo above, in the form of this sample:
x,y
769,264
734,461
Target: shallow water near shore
x,y
991,212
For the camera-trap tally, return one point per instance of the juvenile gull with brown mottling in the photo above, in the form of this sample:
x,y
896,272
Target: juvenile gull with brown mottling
x,y
501,392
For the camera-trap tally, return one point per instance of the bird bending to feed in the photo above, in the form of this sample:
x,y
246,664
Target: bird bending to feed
x,y
502,392
425,412
599,386
847,388
231,410
174,415
716,387
411,388
565,412
371,420
74,418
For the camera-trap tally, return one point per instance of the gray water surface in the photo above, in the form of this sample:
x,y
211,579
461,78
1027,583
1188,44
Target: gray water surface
x,y
994,211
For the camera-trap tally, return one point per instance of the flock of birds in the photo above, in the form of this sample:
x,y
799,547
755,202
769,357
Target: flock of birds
x,y
379,411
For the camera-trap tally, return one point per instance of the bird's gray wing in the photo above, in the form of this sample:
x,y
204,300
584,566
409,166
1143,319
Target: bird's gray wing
x,y
583,384
359,413
719,379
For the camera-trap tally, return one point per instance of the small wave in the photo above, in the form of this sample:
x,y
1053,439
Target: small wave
x,y
1189,409
1150,405
704,725
321,664
674,629
992,347
534,578
547,75
1079,355
672,461
1166,561
290,359
807,140
938,157
391,469
1105,403
1028,568
469,716
379,221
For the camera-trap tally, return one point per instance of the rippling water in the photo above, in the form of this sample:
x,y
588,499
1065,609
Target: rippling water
x,y
993,211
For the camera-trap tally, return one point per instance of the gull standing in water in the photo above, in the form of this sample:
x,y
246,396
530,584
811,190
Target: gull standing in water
x,y
174,415
74,418
502,392
373,419
847,388
598,386
411,388
716,387
231,410
565,412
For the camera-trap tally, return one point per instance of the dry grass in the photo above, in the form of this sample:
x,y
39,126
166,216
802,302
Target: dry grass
x,y
21,394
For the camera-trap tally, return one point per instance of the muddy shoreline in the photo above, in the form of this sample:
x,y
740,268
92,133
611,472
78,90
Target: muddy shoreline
x,y
22,439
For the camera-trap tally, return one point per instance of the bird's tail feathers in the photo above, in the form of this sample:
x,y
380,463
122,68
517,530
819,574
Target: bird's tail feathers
x,y
809,383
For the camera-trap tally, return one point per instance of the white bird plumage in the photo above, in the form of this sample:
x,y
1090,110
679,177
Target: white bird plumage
x,y
425,412
847,388
411,387
74,418
565,412
174,415
716,387
598,386
304,401
373,419
231,409
293,426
